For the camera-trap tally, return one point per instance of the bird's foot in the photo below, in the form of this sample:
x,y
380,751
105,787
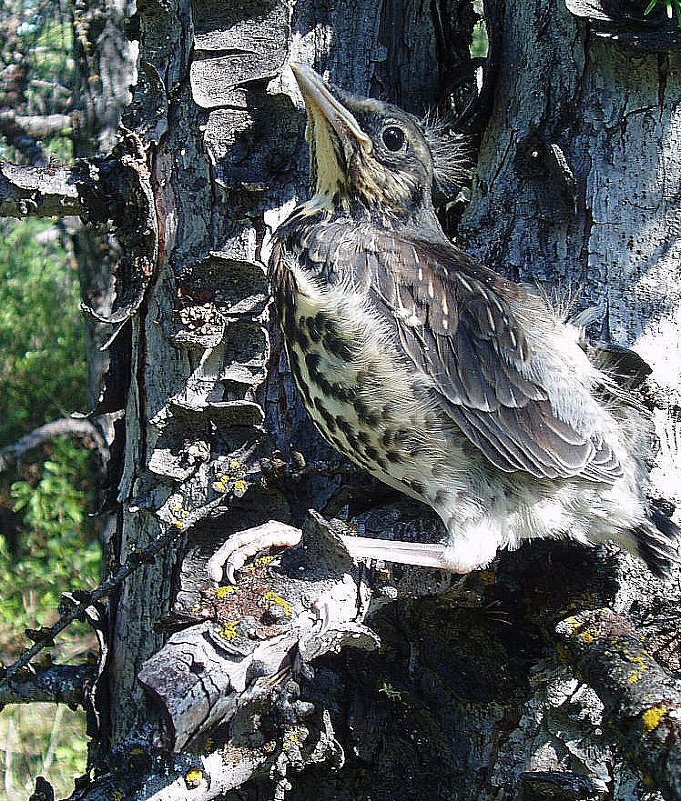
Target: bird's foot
x,y
240,547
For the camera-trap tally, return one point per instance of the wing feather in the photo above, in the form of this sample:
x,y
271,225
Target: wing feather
x,y
479,358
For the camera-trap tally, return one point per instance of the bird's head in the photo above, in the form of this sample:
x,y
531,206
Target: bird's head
x,y
370,153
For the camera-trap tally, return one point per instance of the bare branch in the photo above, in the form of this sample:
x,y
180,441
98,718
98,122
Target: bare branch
x,y
643,703
200,778
68,426
80,602
62,684
41,191
41,126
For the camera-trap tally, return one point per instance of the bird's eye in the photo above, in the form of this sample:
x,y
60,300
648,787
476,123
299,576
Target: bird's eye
x,y
393,138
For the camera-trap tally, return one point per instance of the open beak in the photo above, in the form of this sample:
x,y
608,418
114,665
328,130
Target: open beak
x,y
325,110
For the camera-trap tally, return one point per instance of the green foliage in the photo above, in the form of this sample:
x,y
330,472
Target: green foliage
x,y
672,8
48,544
480,42
40,740
55,550
42,343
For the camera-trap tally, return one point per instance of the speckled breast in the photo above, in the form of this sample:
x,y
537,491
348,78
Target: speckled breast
x,y
362,406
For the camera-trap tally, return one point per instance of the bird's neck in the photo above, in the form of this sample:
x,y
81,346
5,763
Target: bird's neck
x,y
419,220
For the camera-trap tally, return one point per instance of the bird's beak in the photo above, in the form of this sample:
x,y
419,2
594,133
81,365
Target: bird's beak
x,y
324,108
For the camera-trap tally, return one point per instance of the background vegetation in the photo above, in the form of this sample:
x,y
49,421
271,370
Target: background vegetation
x,y
48,541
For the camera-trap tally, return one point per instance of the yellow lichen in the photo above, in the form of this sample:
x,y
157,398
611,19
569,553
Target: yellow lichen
x,y
637,674
229,630
293,738
222,484
223,592
589,635
573,624
653,717
193,778
271,598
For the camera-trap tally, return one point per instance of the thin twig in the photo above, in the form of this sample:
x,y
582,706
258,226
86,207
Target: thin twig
x,y
86,599
66,426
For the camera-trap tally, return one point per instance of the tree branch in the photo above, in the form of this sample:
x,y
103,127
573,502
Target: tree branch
x,y
41,191
68,426
62,684
642,702
266,627
41,126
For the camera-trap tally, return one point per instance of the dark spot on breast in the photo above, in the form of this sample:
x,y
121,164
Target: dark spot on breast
x,y
440,496
302,339
336,390
418,487
312,360
326,416
345,394
314,329
372,453
336,345
343,425
365,414
389,437
394,456
363,437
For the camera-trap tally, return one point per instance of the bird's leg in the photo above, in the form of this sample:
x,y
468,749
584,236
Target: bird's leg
x,y
459,554
233,555
420,554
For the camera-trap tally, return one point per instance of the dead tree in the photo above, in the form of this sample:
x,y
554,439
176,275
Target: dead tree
x,y
549,675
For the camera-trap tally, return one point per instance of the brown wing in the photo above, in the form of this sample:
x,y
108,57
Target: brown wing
x,y
455,323
478,356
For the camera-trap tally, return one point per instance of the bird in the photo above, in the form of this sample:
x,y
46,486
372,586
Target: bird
x,y
437,375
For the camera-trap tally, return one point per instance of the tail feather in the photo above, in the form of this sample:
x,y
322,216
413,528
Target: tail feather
x,y
658,542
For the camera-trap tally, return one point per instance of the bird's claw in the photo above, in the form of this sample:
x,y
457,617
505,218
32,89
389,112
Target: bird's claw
x,y
240,547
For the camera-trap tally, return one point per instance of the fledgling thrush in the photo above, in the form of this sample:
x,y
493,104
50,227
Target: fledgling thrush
x,y
437,375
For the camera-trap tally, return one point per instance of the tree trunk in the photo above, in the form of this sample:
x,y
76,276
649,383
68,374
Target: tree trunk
x,y
228,161
105,70
576,187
